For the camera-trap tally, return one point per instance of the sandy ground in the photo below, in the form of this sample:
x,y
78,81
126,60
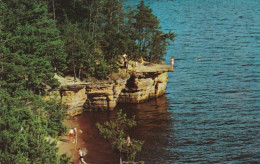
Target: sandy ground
x,y
68,147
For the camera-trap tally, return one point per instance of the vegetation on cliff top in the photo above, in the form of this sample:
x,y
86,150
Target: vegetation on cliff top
x,y
82,38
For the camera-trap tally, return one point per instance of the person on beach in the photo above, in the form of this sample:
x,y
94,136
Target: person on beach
x,y
75,136
128,140
81,156
172,61
71,135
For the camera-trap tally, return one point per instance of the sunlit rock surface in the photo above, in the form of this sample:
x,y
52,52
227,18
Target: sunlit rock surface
x,y
103,96
144,82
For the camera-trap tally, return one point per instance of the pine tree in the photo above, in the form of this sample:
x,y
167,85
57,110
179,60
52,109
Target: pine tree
x,y
79,46
114,132
33,47
151,41
23,131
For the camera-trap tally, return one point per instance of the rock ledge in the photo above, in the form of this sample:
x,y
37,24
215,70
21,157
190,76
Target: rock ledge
x,y
144,83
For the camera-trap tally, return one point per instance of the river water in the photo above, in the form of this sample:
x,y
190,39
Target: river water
x,y
211,110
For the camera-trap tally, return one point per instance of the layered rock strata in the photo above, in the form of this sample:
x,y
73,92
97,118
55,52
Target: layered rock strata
x,y
144,83
103,96
140,88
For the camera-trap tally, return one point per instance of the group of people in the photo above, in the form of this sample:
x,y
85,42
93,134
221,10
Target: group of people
x,y
74,139
125,61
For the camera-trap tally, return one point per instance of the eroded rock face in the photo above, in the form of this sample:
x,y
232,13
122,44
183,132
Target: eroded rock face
x,y
144,87
103,96
144,83
74,97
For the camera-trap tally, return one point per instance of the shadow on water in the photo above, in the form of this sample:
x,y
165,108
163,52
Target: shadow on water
x,y
153,127
153,124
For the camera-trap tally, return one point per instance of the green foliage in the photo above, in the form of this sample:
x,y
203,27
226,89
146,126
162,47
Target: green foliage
x,y
151,41
158,46
101,69
54,112
114,132
23,131
32,47
105,27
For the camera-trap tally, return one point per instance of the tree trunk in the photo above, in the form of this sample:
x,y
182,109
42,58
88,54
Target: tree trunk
x,y
74,70
118,17
120,158
90,17
79,72
2,67
53,10
94,29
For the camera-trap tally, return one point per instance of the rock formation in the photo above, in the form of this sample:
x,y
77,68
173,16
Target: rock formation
x,y
103,96
142,88
144,83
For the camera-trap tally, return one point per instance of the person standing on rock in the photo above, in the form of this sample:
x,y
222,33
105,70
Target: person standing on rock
x,y
172,61
125,60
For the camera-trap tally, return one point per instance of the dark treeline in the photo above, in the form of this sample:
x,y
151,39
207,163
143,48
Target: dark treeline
x,y
81,38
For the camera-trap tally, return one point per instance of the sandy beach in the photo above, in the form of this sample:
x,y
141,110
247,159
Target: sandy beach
x,y
67,147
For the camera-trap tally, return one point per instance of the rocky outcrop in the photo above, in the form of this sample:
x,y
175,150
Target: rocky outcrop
x,y
73,94
145,84
103,96
142,84
74,97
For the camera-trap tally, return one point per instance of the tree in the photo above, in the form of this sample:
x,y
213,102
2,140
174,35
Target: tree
x,y
151,41
114,132
79,46
23,130
30,50
158,45
33,49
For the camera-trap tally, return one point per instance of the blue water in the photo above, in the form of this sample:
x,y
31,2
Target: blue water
x,y
211,110
214,93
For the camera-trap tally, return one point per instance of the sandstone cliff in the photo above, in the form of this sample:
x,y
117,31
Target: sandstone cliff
x,y
143,83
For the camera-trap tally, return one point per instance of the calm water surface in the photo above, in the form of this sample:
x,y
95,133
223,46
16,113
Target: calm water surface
x,y
211,110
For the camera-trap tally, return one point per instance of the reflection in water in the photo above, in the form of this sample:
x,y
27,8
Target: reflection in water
x,y
154,123
153,127
99,150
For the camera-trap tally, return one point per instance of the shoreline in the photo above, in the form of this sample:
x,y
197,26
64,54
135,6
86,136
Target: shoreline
x,y
69,148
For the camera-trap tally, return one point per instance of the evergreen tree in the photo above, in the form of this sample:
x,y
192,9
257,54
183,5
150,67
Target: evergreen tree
x,y
79,46
26,37
114,132
23,132
151,41
33,47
